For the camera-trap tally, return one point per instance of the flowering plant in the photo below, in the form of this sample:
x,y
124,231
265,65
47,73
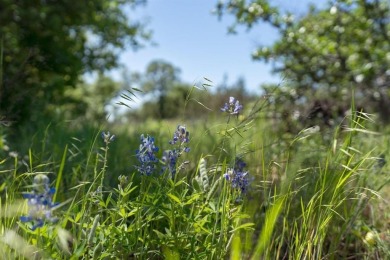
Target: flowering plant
x,y
40,204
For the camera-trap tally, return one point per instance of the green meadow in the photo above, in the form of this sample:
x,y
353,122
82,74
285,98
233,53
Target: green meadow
x,y
318,194
104,157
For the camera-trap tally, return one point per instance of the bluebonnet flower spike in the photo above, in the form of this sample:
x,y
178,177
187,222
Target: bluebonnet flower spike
x,y
170,160
40,202
180,135
239,178
146,155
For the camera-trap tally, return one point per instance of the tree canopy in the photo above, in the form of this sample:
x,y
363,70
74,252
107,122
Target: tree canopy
x,y
159,78
45,46
327,52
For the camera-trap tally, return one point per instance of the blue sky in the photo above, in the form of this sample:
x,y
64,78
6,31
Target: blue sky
x,y
191,38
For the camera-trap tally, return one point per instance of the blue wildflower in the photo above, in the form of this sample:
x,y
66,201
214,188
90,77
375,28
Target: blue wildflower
x,y
233,107
170,159
180,136
40,205
239,178
146,155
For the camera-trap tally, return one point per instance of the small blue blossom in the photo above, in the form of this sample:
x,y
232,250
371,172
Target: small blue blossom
x,y
40,205
233,107
181,135
146,155
170,157
239,178
107,137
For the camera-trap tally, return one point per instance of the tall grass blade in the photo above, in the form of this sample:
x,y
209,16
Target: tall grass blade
x,y
268,228
60,171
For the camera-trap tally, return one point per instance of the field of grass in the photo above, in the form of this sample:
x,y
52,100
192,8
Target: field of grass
x,y
234,187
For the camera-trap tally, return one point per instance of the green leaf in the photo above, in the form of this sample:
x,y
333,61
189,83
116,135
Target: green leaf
x,y
174,198
244,226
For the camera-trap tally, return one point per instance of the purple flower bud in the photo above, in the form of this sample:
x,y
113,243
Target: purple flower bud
x,y
233,107
180,135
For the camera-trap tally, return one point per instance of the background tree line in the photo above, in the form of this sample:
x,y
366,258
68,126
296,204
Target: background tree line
x,y
326,57
46,46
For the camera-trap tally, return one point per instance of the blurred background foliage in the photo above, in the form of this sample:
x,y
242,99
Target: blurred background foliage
x,y
46,46
327,57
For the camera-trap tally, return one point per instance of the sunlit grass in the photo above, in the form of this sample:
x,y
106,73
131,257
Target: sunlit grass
x,y
308,197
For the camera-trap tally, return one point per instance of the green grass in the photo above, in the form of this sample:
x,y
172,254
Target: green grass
x,y
314,194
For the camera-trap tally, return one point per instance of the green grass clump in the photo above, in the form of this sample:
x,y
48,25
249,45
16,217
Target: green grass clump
x,y
308,197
